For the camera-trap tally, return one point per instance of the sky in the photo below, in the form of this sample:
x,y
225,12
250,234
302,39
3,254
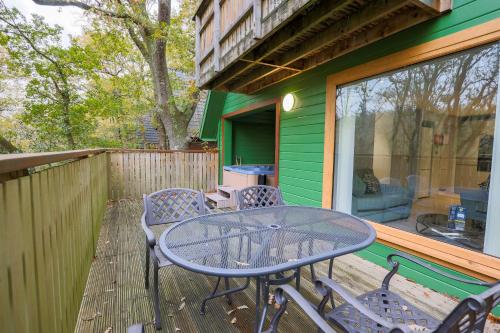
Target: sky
x,y
70,18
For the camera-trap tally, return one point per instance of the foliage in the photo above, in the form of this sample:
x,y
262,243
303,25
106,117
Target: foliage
x,y
166,44
91,92
54,96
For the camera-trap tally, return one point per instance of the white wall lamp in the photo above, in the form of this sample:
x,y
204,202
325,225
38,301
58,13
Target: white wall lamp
x,y
288,102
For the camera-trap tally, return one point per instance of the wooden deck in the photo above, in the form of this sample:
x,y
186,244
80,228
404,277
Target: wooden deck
x,y
115,296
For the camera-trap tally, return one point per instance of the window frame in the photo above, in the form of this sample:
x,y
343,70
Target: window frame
x,y
466,261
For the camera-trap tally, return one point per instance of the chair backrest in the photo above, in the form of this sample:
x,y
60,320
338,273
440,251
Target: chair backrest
x,y
471,314
173,205
259,196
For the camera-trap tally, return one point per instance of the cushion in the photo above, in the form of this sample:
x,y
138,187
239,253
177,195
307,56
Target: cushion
x,y
370,202
371,182
358,186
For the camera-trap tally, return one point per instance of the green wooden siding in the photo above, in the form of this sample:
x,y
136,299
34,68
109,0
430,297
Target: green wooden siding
x,y
302,130
254,143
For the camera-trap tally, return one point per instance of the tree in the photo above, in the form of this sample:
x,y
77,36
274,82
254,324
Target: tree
x,y
54,93
163,41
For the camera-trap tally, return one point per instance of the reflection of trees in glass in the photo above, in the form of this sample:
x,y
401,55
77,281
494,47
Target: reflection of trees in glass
x,y
446,93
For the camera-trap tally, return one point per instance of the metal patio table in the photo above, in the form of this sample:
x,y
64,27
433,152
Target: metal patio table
x,y
263,243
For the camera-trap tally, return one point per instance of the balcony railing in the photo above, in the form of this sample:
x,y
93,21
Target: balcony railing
x,y
51,209
247,45
227,28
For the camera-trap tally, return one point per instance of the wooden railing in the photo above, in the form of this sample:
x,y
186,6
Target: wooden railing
x,y
49,224
225,29
134,173
51,208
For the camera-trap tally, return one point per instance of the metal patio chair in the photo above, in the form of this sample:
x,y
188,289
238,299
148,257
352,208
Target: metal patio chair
x,y
384,311
165,207
259,196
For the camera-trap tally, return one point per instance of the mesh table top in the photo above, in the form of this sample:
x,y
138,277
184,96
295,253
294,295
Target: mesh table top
x,y
263,241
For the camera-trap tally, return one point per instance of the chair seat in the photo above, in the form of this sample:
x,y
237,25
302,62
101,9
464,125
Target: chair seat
x,y
386,304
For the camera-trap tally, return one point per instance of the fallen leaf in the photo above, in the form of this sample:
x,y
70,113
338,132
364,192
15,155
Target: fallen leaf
x,y
94,316
242,307
183,304
242,263
404,307
183,299
177,329
233,321
230,311
418,328
108,330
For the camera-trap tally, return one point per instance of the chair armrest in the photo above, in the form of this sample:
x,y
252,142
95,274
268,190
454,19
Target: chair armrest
x,y
304,304
330,284
395,264
150,236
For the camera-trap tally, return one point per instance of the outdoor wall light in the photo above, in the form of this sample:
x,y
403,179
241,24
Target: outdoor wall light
x,y
288,102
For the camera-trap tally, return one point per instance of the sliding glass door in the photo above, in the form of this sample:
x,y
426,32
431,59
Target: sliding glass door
x,y
416,149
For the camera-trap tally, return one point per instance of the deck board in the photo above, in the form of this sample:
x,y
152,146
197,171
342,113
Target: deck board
x,y
115,297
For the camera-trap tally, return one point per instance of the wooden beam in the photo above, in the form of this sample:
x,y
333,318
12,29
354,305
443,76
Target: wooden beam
x,y
197,49
284,36
270,65
372,12
14,162
395,24
216,37
257,19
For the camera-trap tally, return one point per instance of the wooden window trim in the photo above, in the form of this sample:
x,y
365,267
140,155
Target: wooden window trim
x,y
466,261
252,107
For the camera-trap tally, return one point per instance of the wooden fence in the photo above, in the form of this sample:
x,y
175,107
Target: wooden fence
x,y
133,173
49,224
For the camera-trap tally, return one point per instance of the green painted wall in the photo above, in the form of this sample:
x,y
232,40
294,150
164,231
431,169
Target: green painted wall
x,y
301,133
254,143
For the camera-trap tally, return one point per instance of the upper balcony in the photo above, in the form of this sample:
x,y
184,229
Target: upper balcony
x,y
247,45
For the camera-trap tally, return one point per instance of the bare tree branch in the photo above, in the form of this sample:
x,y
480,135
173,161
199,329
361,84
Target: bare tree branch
x,y
116,14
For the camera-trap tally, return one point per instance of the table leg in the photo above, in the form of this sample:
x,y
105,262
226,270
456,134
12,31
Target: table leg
x,y
226,292
257,304
265,299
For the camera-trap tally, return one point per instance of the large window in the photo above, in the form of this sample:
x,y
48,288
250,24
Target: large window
x,y
416,149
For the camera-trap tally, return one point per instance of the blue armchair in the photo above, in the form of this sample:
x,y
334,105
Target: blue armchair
x,y
392,202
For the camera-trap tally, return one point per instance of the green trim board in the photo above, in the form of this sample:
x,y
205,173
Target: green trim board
x,y
211,115
302,129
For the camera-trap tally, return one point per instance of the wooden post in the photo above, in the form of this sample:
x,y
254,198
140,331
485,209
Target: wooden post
x,y
198,49
257,19
216,38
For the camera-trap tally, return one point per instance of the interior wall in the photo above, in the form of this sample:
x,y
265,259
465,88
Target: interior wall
x,y
254,143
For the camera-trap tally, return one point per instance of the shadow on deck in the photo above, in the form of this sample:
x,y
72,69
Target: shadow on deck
x,y
115,296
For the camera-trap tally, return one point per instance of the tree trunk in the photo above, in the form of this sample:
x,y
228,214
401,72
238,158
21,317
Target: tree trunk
x,y
162,135
6,146
68,131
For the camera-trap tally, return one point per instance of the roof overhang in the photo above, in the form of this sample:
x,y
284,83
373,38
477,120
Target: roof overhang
x,y
317,32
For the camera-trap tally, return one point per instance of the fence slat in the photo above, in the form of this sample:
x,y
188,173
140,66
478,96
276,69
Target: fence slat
x,y
149,171
48,223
